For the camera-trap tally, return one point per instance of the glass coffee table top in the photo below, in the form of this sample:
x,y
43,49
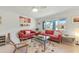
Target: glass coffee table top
x,y
42,39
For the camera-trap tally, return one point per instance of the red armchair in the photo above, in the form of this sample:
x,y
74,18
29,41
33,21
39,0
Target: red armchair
x,y
55,35
26,34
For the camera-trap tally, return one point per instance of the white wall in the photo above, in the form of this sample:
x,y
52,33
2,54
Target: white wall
x,y
10,23
70,26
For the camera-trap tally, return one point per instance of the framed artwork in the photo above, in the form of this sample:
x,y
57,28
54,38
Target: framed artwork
x,y
24,21
76,19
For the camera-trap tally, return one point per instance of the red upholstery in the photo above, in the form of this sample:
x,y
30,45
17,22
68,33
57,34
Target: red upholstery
x,y
24,35
52,36
49,32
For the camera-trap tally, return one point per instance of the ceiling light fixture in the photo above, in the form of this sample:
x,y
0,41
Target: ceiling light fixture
x,y
34,10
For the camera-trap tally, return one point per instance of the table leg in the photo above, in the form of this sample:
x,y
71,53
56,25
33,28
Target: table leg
x,y
44,45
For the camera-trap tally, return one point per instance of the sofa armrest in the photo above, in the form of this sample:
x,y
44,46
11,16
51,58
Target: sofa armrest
x,y
59,36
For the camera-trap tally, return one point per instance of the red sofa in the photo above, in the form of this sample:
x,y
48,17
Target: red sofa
x,y
26,34
53,37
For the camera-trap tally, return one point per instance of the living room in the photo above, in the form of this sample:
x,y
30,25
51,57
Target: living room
x,y
41,21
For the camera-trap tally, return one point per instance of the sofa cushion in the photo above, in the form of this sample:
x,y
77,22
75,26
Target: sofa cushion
x,y
53,36
33,31
49,32
24,34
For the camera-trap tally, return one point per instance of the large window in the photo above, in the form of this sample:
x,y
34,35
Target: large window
x,y
48,25
60,24
55,24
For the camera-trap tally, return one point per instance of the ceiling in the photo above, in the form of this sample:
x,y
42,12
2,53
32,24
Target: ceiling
x,y
42,10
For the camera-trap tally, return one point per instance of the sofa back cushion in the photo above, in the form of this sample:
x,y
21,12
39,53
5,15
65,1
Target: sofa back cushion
x,y
22,31
49,32
26,32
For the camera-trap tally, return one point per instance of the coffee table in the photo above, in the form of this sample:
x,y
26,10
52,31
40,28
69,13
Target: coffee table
x,y
42,39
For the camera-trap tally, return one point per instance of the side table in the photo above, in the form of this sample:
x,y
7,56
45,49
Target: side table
x,y
68,39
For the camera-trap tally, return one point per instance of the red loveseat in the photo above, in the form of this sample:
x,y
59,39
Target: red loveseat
x,y
26,34
53,37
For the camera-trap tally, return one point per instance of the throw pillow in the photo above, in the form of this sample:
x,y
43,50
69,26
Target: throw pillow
x,y
27,32
56,33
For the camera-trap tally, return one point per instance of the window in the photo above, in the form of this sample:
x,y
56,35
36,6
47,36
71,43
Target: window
x,y
60,24
55,24
48,25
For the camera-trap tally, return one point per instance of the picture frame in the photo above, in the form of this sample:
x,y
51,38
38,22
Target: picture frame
x,y
24,21
76,19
